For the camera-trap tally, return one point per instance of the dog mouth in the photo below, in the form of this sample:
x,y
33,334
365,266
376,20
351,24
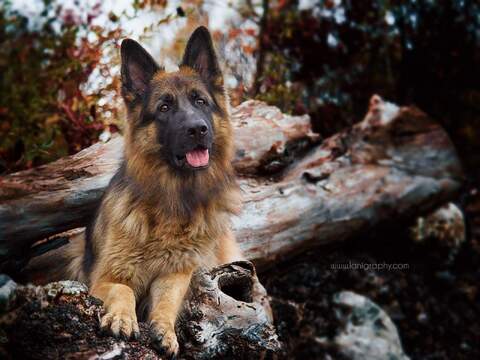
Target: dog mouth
x,y
197,158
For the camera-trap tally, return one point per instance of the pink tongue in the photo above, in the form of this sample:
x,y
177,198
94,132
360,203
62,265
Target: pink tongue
x,y
197,158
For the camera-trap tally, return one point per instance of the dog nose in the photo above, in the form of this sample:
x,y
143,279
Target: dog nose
x,y
197,129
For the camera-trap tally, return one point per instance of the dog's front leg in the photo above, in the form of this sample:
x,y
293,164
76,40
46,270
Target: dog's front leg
x,y
119,301
228,249
166,294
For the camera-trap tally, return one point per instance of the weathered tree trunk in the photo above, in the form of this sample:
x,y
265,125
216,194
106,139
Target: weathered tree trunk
x,y
393,165
44,201
228,315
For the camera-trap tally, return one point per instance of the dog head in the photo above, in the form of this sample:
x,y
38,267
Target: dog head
x,y
179,118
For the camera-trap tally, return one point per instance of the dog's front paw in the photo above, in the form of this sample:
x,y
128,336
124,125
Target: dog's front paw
x,y
120,324
164,340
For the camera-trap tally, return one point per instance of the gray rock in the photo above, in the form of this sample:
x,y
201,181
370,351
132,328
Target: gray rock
x,y
7,292
66,287
446,226
368,333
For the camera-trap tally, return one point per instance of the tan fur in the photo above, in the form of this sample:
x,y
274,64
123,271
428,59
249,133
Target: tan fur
x,y
145,245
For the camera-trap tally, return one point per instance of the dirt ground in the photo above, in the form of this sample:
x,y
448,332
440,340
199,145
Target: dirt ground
x,y
434,305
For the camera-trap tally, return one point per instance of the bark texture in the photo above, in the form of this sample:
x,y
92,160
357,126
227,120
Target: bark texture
x,y
395,164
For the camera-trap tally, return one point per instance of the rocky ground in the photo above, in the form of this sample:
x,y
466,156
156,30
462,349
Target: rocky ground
x,y
434,304
52,323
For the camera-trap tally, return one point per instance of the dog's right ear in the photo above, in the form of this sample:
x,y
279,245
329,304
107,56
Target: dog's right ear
x,y
138,68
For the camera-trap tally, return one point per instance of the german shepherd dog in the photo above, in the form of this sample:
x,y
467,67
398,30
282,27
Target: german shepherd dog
x,y
166,211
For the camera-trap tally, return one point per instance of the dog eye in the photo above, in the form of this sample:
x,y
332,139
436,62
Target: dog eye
x,y
163,108
200,101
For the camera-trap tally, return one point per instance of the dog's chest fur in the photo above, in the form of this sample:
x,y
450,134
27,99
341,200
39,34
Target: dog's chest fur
x,y
137,243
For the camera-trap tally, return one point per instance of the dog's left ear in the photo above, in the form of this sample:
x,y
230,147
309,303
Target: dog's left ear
x,y
200,55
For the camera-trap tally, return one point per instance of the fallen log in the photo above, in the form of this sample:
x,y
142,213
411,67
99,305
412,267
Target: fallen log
x,y
44,201
395,164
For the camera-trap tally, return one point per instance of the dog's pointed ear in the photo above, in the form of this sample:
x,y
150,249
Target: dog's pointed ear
x,y
138,68
200,55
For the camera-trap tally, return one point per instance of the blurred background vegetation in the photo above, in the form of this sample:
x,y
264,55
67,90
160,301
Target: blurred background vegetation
x,y
59,63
